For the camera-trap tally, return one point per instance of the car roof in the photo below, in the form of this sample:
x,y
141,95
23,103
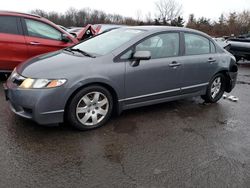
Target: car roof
x,y
13,13
166,28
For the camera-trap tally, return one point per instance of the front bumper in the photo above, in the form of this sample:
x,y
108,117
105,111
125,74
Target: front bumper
x,y
44,106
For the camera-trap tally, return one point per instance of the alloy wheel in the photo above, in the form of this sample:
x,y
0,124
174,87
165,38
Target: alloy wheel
x,y
92,108
216,87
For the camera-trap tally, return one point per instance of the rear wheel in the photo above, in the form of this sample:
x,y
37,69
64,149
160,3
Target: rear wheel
x,y
215,89
90,108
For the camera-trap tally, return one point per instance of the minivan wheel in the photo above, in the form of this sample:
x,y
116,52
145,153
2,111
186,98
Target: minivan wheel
x,y
90,108
215,89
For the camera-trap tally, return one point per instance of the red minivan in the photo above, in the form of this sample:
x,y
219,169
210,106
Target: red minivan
x,y
23,36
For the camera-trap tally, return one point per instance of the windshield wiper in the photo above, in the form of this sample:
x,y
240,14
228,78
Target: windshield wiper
x,y
82,52
68,50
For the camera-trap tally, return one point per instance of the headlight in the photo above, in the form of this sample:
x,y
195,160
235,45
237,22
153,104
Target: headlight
x,y
29,83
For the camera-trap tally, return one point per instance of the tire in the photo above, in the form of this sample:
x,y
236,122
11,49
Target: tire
x,y
90,108
213,95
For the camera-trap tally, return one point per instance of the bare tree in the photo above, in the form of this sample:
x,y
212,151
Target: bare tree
x,y
139,15
39,12
148,18
168,10
244,21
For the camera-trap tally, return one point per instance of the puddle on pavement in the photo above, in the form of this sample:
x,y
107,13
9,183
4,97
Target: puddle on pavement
x,y
188,130
125,126
193,131
222,122
113,152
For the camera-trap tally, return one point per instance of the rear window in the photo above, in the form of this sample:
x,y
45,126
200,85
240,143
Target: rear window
x,y
8,24
196,44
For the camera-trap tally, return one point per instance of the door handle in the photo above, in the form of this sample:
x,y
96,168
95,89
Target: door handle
x,y
35,43
174,64
211,60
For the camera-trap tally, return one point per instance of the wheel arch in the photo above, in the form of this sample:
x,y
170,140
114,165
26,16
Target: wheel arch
x,y
116,108
228,79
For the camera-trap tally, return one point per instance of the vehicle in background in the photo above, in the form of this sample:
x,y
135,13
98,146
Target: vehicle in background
x,y
101,28
86,32
219,39
82,33
74,30
222,43
119,70
240,48
23,36
245,36
64,28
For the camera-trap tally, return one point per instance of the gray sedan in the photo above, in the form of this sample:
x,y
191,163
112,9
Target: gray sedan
x,y
119,70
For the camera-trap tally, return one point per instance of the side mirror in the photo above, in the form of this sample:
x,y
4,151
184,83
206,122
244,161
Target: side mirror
x,y
65,38
140,55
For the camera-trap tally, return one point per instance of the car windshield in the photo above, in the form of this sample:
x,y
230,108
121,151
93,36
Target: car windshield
x,y
107,42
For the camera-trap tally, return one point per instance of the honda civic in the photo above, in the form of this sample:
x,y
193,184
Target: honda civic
x,y
122,69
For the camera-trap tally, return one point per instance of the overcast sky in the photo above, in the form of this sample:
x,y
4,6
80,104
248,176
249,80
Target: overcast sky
x,y
207,8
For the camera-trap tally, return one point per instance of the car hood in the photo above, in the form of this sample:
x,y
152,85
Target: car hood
x,y
59,64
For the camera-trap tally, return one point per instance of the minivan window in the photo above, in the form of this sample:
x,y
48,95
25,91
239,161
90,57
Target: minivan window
x,y
107,42
196,44
42,30
8,24
161,45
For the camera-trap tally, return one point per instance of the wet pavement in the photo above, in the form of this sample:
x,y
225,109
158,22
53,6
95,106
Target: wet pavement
x,y
178,144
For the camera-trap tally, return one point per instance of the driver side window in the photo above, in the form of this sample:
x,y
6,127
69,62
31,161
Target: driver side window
x,y
161,46
42,30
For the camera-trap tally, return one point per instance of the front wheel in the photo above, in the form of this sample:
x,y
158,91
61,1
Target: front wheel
x,y
90,108
215,89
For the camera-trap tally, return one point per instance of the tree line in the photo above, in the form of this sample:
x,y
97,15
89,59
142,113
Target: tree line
x,y
235,24
82,17
168,12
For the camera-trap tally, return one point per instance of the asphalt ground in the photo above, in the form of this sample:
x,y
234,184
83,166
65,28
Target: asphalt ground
x,y
184,143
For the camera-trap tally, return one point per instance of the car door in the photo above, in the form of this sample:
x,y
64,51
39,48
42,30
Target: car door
x,y
13,48
42,37
155,78
199,62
